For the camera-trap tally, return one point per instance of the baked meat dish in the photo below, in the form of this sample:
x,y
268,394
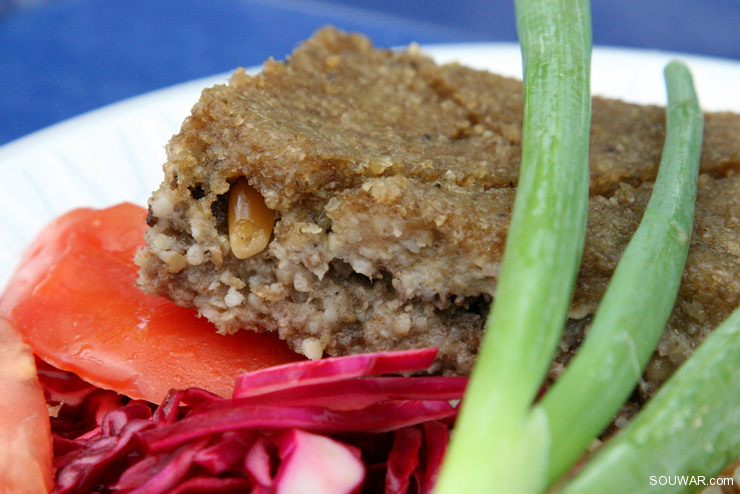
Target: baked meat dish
x,y
353,199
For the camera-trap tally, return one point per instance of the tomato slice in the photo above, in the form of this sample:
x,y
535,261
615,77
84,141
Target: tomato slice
x,y
25,431
74,299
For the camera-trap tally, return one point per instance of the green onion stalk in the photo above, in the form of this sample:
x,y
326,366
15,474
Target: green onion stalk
x,y
640,297
687,433
690,430
500,442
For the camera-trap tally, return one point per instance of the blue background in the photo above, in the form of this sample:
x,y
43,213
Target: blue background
x,y
62,58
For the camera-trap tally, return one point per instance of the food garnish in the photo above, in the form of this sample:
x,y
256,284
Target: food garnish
x,y
284,431
689,430
25,435
501,444
543,442
641,293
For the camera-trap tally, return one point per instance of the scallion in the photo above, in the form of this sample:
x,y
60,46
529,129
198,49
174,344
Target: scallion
x,y
499,445
687,433
635,309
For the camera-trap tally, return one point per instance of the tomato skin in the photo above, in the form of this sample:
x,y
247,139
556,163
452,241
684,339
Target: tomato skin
x,y
74,299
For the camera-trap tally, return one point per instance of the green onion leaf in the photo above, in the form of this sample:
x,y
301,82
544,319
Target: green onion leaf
x,y
687,433
499,444
641,293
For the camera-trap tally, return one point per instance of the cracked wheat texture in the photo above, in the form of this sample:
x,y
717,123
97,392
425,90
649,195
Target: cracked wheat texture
x,y
392,180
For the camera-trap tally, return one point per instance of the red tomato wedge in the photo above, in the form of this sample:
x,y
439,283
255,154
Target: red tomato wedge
x,y
74,299
25,431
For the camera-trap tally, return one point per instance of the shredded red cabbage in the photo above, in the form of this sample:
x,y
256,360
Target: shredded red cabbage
x,y
326,426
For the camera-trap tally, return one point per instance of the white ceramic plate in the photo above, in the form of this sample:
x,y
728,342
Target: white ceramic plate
x,y
115,154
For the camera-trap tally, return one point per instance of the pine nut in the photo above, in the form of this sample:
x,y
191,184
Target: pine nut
x,y
250,220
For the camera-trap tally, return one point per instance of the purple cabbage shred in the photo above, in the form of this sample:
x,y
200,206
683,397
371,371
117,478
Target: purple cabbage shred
x,y
332,426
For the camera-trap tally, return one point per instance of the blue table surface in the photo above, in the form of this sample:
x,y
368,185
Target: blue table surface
x,y
61,58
